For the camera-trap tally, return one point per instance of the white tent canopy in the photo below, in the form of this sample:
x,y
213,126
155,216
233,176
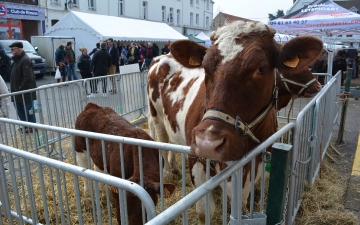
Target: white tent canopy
x,y
205,38
89,29
321,16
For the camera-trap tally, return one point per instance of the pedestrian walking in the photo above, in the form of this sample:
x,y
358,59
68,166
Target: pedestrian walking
x,y
22,78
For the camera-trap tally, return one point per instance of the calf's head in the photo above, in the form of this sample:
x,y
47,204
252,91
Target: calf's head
x,y
239,77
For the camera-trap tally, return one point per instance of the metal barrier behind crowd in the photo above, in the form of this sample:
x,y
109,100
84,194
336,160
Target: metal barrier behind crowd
x,y
36,171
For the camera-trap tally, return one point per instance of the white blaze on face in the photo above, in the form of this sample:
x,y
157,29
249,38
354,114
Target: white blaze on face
x,y
226,37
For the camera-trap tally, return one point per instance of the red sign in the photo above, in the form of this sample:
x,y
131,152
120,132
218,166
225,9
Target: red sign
x,y
2,10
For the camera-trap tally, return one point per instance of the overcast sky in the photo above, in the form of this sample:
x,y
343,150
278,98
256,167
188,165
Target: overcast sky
x,y
252,9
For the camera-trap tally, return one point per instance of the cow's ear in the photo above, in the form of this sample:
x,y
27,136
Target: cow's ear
x,y
91,105
298,54
188,53
168,189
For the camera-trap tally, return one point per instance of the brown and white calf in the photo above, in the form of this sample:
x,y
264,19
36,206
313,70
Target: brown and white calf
x,y
105,120
220,100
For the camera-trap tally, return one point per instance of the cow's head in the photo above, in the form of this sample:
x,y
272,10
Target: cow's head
x,y
301,83
239,79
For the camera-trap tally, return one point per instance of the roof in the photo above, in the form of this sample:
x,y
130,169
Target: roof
x,y
349,4
105,27
231,18
203,36
192,38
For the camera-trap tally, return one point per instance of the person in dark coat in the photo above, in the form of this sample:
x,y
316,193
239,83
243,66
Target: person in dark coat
x,y
150,53
156,49
22,78
100,64
114,63
339,63
165,50
95,49
60,62
83,64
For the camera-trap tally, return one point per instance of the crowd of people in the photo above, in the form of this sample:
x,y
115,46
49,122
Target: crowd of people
x,y
104,59
343,58
90,65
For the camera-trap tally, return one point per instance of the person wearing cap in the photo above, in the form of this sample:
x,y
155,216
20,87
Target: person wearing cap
x,y
22,78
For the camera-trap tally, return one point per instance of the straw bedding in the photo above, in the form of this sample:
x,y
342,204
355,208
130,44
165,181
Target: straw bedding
x,y
322,203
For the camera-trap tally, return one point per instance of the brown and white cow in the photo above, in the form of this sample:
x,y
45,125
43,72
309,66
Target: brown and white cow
x,y
301,84
220,100
105,120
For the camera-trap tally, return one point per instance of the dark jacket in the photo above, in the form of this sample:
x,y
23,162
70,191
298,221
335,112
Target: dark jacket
x,y
136,55
351,52
59,56
93,51
100,63
154,51
22,78
84,64
114,52
70,54
165,50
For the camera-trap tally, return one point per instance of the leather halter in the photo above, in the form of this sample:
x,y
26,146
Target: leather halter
x,y
303,86
241,127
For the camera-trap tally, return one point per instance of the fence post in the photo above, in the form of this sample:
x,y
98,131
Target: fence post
x,y
345,99
278,182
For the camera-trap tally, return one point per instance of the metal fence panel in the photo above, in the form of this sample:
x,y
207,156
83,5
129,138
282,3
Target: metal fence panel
x,y
60,107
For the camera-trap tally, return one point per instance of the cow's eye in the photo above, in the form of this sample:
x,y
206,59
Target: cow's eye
x,y
262,69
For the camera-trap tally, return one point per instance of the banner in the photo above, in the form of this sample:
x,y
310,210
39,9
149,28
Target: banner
x,y
319,15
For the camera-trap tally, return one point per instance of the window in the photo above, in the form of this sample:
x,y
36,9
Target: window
x,y
56,2
163,13
197,2
207,4
191,18
191,2
207,22
53,22
28,2
121,8
197,19
178,16
91,4
74,3
145,6
71,3
170,16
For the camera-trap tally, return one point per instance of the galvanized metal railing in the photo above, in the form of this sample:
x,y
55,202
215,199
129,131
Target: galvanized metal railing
x,y
310,139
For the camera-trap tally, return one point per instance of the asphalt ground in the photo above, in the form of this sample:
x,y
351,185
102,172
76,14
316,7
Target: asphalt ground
x,y
348,163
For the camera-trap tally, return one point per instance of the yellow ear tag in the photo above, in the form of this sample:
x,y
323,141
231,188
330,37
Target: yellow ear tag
x,y
194,62
293,62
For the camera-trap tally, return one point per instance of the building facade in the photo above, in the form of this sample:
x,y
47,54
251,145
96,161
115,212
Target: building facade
x,y
20,19
186,16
